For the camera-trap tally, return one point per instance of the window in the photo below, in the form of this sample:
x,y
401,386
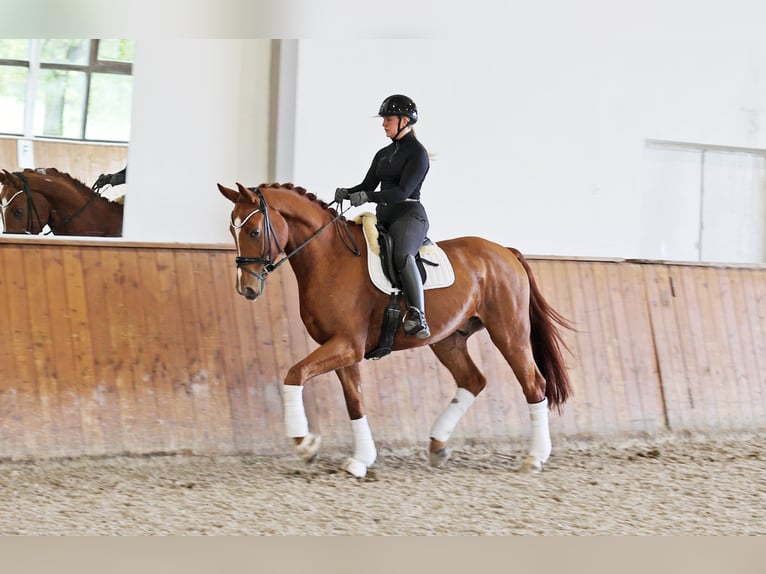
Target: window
x,y
66,89
703,203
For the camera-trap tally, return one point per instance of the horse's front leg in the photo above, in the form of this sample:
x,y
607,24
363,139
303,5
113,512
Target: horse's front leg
x,y
365,452
332,355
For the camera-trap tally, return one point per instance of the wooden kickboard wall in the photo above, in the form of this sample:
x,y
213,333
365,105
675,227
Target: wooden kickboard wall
x,y
110,348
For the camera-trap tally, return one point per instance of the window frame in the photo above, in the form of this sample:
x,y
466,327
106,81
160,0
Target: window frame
x,y
34,66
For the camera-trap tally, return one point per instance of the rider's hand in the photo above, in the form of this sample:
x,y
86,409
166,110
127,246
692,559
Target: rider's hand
x,y
341,193
103,179
358,198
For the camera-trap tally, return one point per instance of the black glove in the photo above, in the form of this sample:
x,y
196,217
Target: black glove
x,y
341,193
118,178
102,180
358,198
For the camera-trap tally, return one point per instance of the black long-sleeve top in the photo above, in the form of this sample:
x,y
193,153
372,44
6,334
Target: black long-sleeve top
x,y
399,168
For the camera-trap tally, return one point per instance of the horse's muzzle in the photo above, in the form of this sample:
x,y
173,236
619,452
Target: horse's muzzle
x,y
249,293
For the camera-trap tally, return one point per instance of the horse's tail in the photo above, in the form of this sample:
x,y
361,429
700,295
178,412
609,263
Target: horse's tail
x,y
547,342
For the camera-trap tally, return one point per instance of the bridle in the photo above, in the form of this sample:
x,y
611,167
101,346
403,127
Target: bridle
x,y
270,240
31,207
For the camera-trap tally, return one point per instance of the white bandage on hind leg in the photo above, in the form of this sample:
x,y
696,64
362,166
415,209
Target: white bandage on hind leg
x,y
364,446
540,446
447,421
296,423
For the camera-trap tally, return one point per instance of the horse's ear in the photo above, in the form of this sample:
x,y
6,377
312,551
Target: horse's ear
x,y
229,193
9,178
247,192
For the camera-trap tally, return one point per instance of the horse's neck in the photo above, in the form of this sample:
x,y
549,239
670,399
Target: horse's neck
x,y
60,193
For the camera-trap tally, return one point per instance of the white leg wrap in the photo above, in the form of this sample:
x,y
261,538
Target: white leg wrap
x,y
296,423
540,446
364,446
447,421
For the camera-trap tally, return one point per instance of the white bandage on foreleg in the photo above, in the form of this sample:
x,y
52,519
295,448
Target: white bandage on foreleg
x,y
540,446
296,423
447,421
364,446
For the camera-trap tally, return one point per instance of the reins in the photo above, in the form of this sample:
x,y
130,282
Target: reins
x,y
270,236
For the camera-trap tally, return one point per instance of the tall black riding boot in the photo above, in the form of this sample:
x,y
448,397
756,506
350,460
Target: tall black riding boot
x,y
415,318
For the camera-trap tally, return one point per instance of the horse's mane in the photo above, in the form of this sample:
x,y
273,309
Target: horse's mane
x,y
73,180
304,193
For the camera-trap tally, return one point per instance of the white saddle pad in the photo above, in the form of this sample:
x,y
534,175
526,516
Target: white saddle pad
x,y
441,275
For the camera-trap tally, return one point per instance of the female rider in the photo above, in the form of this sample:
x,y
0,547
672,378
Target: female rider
x,y
400,169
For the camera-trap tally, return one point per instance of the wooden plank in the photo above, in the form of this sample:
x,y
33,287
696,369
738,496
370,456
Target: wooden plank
x,y
98,294
691,332
120,337
709,313
591,349
754,315
612,380
61,363
736,345
209,332
83,375
172,355
671,362
18,393
232,360
641,386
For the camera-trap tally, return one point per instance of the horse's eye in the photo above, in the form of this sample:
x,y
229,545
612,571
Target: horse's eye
x,y
18,212
254,233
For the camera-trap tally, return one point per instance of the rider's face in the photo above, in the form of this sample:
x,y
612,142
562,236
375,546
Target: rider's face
x,y
391,124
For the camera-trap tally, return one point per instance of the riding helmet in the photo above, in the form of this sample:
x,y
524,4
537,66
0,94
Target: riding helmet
x,y
399,105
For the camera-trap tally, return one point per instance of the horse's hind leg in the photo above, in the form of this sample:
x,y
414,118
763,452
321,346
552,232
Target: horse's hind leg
x,y
452,352
365,452
520,358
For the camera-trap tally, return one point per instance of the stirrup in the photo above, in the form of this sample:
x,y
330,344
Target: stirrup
x,y
417,325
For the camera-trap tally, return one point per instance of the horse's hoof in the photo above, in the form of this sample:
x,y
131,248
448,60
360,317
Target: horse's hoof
x,y
309,447
354,467
439,457
531,465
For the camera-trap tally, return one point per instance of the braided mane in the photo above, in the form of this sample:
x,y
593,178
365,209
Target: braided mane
x,y
83,186
304,193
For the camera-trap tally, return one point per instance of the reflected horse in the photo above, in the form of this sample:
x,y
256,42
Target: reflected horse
x,y
493,289
33,198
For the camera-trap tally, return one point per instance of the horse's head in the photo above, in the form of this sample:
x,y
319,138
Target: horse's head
x,y
22,209
260,234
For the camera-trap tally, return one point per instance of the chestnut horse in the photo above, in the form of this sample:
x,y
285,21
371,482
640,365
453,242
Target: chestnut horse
x,y
72,208
493,289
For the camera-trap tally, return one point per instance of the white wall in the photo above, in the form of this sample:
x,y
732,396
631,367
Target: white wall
x,y
538,135
539,140
200,117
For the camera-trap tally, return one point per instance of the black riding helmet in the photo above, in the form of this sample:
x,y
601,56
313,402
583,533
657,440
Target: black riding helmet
x,y
399,105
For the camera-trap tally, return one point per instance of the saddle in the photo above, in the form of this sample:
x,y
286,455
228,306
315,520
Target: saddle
x,y
435,271
433,263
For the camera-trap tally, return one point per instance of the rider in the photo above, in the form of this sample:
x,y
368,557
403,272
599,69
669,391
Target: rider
x,y
400,169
